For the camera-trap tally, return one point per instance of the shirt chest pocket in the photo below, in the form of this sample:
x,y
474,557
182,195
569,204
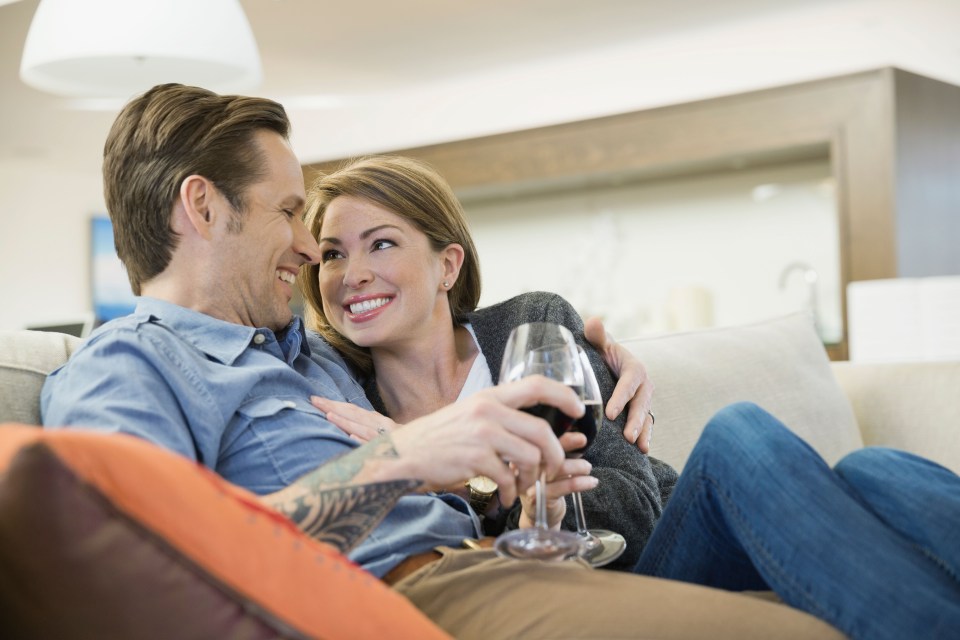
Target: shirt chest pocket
x,y
274,440
267,407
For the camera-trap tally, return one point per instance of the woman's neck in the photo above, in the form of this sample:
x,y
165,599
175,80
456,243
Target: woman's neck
x,y
418,379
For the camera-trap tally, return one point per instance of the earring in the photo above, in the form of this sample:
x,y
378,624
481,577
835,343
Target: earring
x,y
446,285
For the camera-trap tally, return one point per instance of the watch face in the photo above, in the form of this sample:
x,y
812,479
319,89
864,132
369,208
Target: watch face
x,y
483,484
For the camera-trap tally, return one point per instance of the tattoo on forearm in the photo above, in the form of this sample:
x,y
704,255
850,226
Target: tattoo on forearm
x,y
328,507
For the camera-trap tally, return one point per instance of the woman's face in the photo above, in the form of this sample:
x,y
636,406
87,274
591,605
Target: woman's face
x,y
381,281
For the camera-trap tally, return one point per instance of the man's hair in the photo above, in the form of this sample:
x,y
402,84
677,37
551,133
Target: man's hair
x,y
162,137
417,193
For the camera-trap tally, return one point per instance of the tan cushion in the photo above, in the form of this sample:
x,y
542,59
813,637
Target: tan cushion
x,y
907,405
778,364
26,357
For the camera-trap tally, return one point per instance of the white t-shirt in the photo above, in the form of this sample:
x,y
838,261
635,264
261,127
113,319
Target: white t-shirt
x,y
479,377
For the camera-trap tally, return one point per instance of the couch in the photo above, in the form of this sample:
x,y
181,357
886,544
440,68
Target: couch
x,y
107,536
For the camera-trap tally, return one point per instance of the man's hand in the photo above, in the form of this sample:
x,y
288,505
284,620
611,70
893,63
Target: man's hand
x,y
481,434
633,385
574,475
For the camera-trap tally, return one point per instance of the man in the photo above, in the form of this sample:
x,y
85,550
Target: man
x,y
206,195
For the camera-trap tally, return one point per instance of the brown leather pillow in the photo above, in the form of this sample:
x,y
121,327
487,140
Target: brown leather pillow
x,y
108,536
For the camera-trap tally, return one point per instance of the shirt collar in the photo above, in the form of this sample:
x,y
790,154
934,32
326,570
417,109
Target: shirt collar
x,y
219,339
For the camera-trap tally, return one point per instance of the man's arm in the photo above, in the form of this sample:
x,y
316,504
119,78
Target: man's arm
x,y
634,387
330,506
343,500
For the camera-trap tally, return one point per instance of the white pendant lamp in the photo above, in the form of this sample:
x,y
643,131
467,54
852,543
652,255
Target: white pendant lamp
x,y
117,48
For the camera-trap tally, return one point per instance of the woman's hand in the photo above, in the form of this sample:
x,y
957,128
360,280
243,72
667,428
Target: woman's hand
x,y
360,424
573,475
634,387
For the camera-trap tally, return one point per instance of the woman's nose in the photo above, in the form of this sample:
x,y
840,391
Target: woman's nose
x,y
356,272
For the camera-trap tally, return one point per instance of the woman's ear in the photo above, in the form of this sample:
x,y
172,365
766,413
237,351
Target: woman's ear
x,y
451,260
196,205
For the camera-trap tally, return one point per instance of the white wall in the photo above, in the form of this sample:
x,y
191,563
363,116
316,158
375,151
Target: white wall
x,y
633,253
44,246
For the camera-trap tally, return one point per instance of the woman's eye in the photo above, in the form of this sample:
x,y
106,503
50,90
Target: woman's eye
x,y
379,245
289,213
331,255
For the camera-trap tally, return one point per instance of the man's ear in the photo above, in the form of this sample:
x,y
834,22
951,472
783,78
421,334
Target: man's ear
x,y
197,204
451,259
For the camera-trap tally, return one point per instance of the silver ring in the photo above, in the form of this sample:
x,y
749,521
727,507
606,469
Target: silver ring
x,y
381,431
653,418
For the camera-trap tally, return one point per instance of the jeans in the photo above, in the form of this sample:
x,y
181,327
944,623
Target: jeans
x,y
872,546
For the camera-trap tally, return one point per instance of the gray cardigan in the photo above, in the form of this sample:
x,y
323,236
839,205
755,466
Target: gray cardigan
x,y
633,487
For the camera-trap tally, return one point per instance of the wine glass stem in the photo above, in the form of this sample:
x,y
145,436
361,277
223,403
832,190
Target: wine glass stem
x,y
578,514
541,490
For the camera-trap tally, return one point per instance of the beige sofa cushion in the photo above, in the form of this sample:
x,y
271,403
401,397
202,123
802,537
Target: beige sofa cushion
x,y
26,357
778,364
907,405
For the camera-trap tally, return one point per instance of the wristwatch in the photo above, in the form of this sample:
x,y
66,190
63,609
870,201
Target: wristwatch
x,y
481,489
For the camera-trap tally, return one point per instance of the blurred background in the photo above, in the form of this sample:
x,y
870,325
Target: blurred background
x,y
669,166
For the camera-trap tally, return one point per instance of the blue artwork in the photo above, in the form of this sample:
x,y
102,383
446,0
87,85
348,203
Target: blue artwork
x,y
112,296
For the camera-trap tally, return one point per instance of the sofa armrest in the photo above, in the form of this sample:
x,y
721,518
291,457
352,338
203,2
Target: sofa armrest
x,y
910,405
26,357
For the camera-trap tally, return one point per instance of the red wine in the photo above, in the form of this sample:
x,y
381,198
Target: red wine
x,y
557,419
562,423
588,425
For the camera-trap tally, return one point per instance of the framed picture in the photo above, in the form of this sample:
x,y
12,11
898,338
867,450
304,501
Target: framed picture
x,y
112,295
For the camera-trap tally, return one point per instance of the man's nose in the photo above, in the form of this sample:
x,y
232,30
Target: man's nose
x,y
305,244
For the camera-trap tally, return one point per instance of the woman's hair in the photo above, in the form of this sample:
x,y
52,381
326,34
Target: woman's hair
x,y
165,135
418,194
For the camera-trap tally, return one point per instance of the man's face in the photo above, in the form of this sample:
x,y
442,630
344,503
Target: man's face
x,y
258,263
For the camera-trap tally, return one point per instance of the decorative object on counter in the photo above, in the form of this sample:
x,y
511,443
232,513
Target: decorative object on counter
x,y
689,307
810,277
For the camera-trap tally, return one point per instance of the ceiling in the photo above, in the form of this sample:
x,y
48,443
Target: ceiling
x,y
383,74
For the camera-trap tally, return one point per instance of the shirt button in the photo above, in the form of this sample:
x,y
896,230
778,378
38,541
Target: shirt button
x,y
259,339
290,404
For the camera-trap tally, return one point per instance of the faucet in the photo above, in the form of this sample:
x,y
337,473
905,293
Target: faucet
x,y
811,277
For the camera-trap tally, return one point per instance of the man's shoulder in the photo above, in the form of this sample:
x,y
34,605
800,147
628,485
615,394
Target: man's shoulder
x,y
127,344
131,330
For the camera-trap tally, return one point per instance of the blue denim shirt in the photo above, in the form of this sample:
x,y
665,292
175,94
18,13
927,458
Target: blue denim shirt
x,y
235,399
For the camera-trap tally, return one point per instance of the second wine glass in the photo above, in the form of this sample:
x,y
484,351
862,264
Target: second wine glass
x,y
600,546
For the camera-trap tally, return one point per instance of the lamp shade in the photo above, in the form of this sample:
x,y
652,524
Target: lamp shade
x,y
116,48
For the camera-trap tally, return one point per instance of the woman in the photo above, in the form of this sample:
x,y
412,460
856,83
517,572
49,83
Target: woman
x,y
869,546
396,293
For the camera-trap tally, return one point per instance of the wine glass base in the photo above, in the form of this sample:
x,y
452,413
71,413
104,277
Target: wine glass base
x,y
612,547
538,544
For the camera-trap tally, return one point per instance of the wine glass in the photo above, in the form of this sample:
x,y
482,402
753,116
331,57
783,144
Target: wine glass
x,y
542,348
600,546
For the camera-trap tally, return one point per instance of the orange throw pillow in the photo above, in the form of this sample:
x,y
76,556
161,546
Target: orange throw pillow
x,y
108,536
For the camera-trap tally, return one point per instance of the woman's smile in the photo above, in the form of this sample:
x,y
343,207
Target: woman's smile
x,y
364,308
